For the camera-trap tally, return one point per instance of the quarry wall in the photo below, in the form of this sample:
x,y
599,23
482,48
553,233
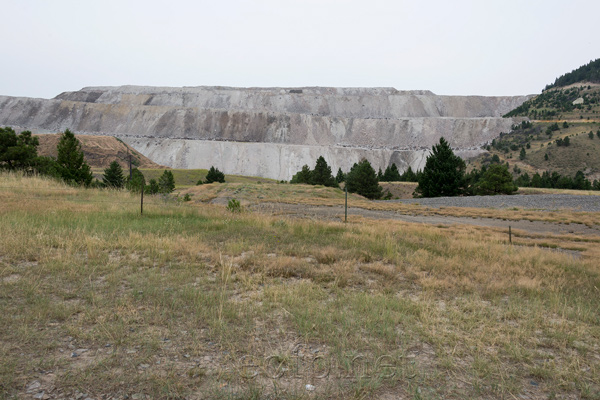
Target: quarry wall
x,y
270,132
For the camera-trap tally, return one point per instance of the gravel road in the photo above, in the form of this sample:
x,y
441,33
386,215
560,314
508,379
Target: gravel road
x,y
546,202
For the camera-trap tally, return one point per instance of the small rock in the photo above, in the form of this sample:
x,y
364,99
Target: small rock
x,y
33,385
40,395
74,354
144,366
310,388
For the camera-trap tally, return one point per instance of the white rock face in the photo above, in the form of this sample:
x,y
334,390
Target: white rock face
x,y
270,132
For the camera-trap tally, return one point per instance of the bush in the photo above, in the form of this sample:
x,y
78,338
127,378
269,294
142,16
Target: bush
x,y
234,206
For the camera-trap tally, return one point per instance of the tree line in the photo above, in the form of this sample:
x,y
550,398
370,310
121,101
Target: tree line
x,y
444,174
19,152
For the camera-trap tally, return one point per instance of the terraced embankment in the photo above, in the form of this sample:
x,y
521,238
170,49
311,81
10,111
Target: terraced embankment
x,y
270,132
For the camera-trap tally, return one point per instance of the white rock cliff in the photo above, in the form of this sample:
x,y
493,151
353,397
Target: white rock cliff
x,y
270,132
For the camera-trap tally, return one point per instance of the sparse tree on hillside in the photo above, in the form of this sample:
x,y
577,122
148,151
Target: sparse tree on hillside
x,y
522,154
444,173
113,176
71,165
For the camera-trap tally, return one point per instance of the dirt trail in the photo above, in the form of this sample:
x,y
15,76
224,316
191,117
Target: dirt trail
x,y
337,213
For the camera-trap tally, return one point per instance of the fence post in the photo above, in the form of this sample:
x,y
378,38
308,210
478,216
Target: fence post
x,y
509,235
346,203
142,201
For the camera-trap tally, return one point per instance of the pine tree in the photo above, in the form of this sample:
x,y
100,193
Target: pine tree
x,y
137,181
391,174
214,175
17,151
71,165
496,180
522,154
113,176
302,176
444,173
166,182
340,177
362,179
321,175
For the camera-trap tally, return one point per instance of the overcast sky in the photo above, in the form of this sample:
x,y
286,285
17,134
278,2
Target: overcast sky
x,y
481,47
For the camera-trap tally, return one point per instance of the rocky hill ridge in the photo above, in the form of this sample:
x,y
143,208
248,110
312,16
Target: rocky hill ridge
x,y
269,132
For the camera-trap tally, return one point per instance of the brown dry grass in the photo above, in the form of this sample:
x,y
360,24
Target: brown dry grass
x,y
181,303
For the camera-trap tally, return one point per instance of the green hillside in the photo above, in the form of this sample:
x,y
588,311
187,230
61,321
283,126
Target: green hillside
x,y
586,73
559,133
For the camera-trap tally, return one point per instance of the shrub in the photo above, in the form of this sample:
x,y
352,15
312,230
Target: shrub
x,y
234,206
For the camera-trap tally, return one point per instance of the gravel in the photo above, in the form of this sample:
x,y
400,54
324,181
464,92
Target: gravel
x,y
545,202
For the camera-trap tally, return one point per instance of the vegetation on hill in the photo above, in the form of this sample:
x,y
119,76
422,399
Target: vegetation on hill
x,y
589,72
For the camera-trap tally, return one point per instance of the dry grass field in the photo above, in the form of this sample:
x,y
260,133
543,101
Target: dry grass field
x,y
193,301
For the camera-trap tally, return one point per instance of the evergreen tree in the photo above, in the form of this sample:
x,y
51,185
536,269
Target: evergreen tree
x,y
580,182
496,180
362,179
137,181
166,182
340,177
17,151
408,176
444,173
391,174
522,154
302,176
113,176
321,175
71,165
523,180
214,175
380,175
152,187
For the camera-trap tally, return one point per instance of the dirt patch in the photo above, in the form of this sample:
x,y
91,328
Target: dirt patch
x,y
99,151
